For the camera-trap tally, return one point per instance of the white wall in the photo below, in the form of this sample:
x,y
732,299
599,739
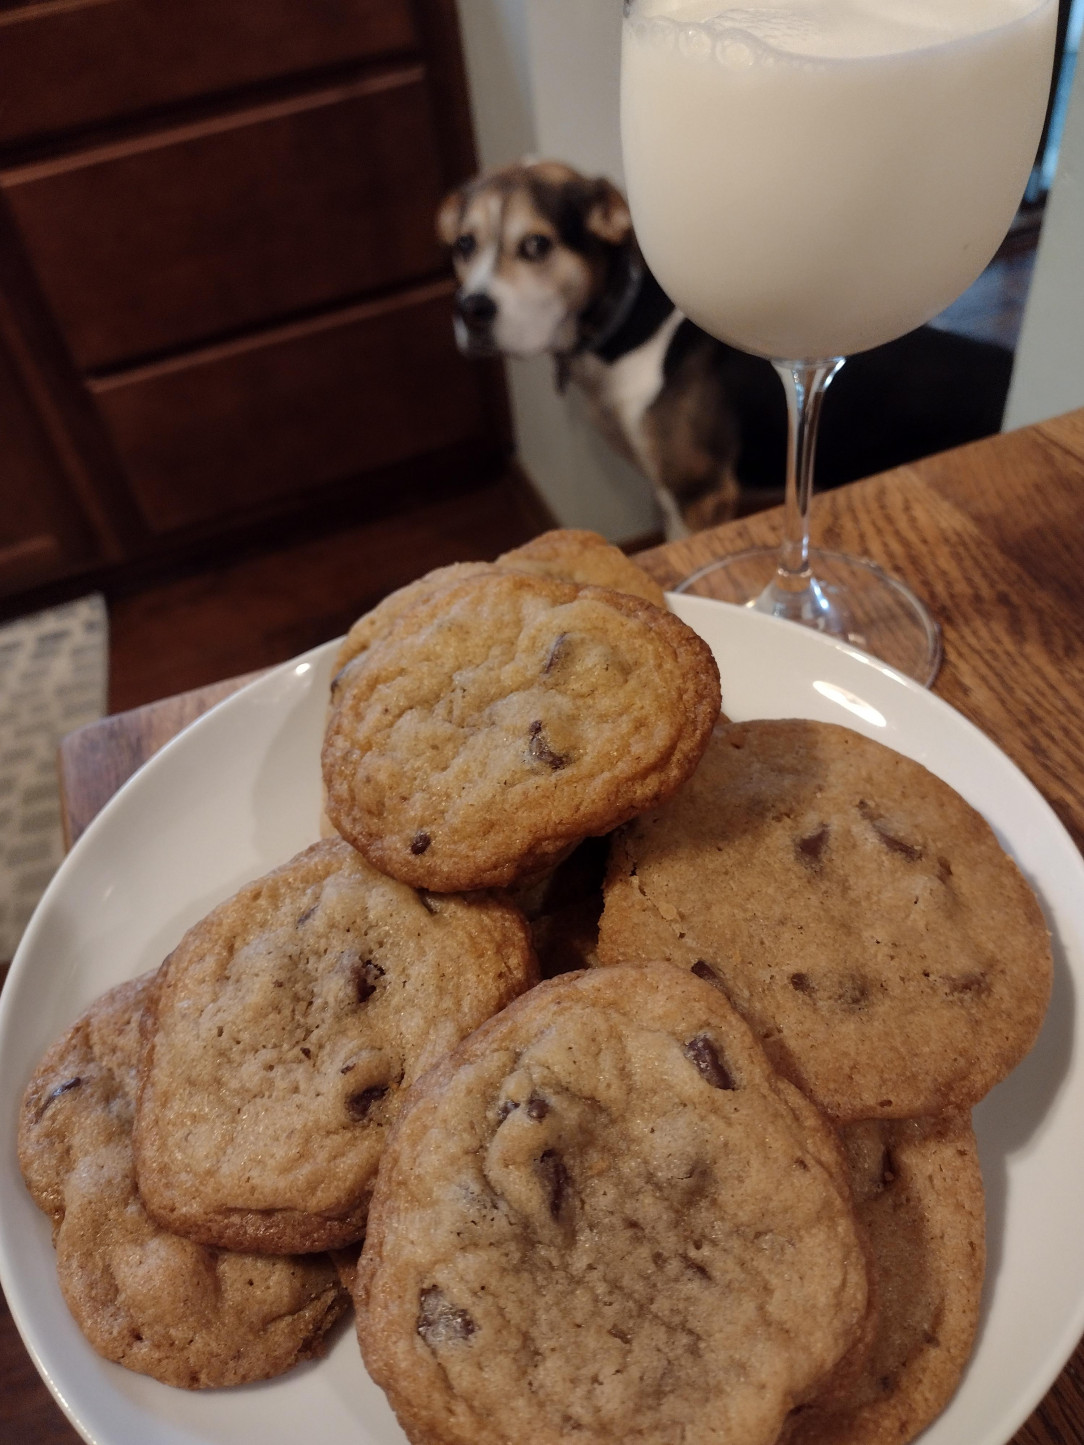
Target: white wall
x,y
575,45
1048,373
495,47
543,79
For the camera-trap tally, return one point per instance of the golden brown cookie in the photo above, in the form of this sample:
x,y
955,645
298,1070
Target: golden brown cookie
x,y
508,717
284,1029
145,1298
853,907
566,553
571,554
604,1218
919,1192
371,624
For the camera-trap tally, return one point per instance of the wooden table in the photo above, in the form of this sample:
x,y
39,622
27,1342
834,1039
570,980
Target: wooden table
x,y
991,536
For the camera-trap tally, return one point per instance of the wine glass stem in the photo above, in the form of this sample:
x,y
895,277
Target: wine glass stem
x,y
805,383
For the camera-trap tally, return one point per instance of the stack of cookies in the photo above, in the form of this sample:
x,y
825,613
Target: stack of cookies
x,y
894,964
635,1048
206,1139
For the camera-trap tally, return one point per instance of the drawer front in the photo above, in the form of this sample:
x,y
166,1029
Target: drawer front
x,y
202,231
234,427
109,58
43,530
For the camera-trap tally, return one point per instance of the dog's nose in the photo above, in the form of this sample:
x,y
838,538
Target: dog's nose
x,y
476,308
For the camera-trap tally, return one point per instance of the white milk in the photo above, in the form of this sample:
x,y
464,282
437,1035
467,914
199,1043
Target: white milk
x,y
809,178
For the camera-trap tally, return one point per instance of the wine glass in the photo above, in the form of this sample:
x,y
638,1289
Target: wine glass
x,y
812,178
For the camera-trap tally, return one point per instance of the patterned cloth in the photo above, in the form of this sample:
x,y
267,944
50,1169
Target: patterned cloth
x,y
53,678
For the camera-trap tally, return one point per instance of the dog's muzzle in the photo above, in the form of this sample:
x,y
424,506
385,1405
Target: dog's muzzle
x,y
475,313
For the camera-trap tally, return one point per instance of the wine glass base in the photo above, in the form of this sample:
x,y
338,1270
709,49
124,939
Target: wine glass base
x,y
847,597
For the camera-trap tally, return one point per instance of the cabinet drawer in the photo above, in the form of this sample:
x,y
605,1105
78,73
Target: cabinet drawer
x,y
236,426
205,230
68,65
43,529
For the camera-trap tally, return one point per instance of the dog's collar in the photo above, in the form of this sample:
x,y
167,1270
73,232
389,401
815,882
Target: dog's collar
x,y
629,314
616,306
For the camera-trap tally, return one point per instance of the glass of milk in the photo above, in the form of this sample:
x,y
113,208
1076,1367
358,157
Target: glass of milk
x,y
811,178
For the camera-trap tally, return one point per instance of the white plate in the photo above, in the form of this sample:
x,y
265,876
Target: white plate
x,y
238,792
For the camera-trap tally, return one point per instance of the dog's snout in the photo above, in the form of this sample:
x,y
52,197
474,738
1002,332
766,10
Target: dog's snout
x,y
476,308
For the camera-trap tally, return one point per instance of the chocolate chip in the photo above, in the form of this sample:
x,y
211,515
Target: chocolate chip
x,y
853,991
944,870
340,677
810,849
307,1053
54,1094
358,1105
439,1321
704,1057
540,750
555,1179
419,843
911,851
704,970
968,983
537,1107
801,983
888,1169
895,844
427,902
366,977
307,915
557,652
506,1107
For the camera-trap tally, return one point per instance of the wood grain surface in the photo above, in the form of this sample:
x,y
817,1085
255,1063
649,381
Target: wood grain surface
x,y
991,536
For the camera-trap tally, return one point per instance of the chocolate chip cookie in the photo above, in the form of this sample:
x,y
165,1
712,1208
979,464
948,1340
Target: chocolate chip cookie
x,y
508,717
568,554
378,619
919,1192
605,1218
852,906
571,554
282,1033
146,1298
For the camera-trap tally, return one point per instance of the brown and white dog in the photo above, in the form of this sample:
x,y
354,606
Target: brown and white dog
x,y
547,262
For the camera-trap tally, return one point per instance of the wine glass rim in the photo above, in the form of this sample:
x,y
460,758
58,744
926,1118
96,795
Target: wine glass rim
x,y
632,10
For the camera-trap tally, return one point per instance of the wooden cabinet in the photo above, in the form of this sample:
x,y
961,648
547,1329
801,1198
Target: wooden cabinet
x,y
237,424
44,531
218,255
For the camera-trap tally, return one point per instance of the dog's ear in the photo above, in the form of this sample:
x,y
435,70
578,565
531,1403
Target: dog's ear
x,y
450,214
608,214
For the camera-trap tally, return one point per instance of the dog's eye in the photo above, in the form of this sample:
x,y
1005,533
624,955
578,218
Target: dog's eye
x,y
535,247
465,245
